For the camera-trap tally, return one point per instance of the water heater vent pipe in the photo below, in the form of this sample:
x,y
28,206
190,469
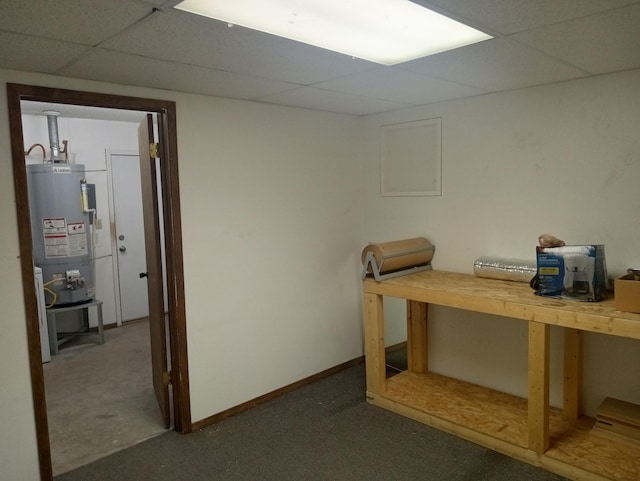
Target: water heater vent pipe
x,y
54,138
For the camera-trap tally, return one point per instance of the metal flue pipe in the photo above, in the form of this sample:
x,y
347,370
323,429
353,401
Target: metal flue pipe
x,y
54,138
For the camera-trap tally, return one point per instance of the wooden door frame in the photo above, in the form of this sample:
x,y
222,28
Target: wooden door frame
x,y
173,241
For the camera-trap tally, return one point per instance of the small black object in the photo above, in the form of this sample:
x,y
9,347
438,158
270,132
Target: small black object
x,y
535,282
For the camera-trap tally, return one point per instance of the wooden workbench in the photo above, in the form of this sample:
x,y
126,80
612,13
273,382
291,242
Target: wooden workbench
x,y
559,440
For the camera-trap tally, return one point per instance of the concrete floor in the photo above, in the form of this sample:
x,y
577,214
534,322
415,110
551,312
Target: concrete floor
x,y
100,398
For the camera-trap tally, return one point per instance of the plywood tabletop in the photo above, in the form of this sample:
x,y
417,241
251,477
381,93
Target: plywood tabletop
x,y
506,298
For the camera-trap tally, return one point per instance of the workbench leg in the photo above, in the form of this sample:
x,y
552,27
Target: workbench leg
x,y
538,386
417,334
572,398
375,359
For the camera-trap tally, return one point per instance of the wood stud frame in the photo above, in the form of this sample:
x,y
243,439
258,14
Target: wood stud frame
x,y
559,440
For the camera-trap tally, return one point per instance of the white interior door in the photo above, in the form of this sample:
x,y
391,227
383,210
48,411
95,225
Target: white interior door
x,y
129,234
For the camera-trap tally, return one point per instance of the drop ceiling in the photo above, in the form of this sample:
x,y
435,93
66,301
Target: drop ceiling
x,y
149,43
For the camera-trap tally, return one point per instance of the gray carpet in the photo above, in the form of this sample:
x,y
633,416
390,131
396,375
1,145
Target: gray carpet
x,y
324,431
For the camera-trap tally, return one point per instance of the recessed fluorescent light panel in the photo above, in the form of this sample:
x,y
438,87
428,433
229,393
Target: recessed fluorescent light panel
x,y
382,31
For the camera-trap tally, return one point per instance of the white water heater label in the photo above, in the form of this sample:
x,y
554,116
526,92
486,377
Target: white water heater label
x,y
77,239
75,228
56,239
64,239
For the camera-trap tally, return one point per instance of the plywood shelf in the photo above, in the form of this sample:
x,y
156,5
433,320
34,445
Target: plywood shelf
x,y
479,409
594,456
559,440
499,421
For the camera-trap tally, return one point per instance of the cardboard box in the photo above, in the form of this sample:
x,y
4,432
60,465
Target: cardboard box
x,y
576,272
627,293
617,416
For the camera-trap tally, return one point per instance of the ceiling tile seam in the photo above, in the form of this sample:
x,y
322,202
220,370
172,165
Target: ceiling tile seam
x,y
548,55
447,80
351,94
204,67
553,82
262,98
92,48
312,109
573,19
42,37
131,26
349,112
73,61
45,37
347,75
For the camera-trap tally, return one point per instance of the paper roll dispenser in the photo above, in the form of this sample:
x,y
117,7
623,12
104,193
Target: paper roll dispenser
x,y
397,258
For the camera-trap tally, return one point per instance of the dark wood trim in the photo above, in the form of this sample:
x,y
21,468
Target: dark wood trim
x,y
89,99
167,129
274,394
26,265
175,276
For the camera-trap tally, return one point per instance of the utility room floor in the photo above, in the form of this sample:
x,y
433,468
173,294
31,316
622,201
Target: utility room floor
x,y
100,398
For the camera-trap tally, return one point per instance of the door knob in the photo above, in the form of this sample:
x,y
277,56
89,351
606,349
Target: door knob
x,y
122,249
142,274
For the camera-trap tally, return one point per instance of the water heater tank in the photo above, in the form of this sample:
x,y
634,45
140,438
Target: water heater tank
x,y
61,231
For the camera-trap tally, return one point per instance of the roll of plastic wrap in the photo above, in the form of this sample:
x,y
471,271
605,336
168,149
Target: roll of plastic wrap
x,y
396,255
505,269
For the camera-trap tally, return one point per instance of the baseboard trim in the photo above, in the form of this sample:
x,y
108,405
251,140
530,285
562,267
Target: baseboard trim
x,y
396,347
273,394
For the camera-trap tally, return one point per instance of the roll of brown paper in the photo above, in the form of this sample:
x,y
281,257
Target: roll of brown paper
x,y
402,254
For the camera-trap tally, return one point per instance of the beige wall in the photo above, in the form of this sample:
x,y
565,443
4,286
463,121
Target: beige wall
x,y
271,218
272,221
18,451
563,159
273,205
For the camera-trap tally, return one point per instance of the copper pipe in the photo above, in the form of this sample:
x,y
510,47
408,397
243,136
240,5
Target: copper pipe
x,y
44,152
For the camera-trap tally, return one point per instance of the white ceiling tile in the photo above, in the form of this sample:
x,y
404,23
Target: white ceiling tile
x,y
497,64
397,85
196,40
21,52
318,99
128,69
602,43
555,40
88,22
510,16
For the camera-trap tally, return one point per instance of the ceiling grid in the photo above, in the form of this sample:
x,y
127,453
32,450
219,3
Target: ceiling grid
x,y
149,43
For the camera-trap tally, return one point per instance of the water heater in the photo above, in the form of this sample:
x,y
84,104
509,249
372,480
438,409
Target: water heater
x,y
61,230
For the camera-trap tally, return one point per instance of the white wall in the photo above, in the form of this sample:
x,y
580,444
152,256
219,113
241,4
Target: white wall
x,y
18,449
271,217
89,139
272,214
563,159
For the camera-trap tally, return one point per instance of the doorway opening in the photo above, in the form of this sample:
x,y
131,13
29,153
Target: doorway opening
x,y
127,240
164,170
128,252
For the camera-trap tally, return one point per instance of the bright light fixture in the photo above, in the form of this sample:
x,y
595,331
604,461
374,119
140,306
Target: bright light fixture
x,y
382,31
